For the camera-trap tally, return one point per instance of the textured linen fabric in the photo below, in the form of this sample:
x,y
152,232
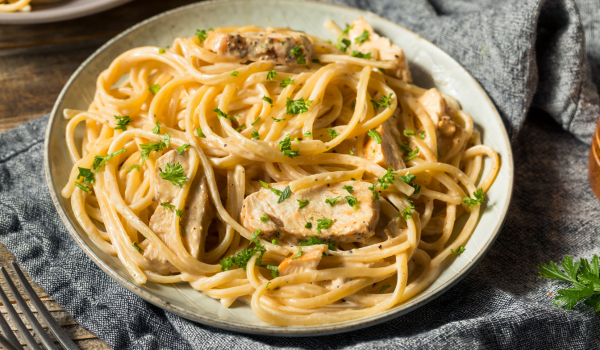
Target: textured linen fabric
x,y
533,59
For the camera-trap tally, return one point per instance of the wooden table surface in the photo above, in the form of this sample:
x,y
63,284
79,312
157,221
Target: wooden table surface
x,y
35,63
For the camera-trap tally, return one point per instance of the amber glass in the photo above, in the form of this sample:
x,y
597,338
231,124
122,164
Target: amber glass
x,y
594,166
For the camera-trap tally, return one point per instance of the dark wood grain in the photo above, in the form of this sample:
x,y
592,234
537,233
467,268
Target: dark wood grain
x,y
35,63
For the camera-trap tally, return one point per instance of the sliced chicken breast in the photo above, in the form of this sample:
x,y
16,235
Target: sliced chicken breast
x,y
380,48
387,153
197,211
287,221
289,48
307,261
433,103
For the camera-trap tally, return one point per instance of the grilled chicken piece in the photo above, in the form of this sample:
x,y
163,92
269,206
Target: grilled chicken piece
x,y
286,220
196,218
308,261
387,153
435,106
380,48
274,47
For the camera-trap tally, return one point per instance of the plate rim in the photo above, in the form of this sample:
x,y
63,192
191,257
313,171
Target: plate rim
x,y
41,16
274,330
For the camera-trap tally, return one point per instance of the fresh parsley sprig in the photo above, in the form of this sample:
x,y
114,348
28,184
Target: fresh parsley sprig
x,y
122,122
584,275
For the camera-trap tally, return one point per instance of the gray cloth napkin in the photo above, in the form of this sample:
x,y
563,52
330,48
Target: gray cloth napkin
x,y
530,56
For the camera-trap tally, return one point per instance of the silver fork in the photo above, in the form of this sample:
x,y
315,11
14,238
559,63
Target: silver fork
x,y
9,340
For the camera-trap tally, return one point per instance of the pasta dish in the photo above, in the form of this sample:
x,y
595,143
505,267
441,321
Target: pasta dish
x,y
307,178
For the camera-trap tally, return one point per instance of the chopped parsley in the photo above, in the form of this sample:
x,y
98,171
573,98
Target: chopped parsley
x,y
179,213
343,44
135,166
242,257
161,50
408,133
316,60
267,99
413,154
296,52
182,149
136,246
167,140
307,134
170,207
302,203
100,160
201,35
264,218
278,120
478,198
271,75
287,81
256,121
383,288
285,146
308,225
422,134
83,188
386,179
273,269
156,129
173,173
352,201
275,242
375,194
460,250
409,178
154,88
374,135
584,277
255,135
323,223
332,201
299,254
383,102
122,122
268,187
221,114
350,189
315,241
285,194
405,214
359,54
240,127
381,70
235,73
332,133
296,106
150,147
87,175
363,37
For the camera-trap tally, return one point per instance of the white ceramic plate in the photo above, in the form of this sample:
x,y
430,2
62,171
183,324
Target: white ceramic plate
x,y
430,66
59,11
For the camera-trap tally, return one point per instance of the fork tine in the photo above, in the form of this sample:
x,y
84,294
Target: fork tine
x,y
17,320
7,344
8,333
62,337
48,343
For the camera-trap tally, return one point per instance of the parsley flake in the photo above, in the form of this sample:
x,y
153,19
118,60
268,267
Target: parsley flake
x,y
285,194
137,247
332,201
265,218
267,99
408,133
83,188
255,135
302,203
405,214
235,73
359,54
182,149
201,35
299,254
323,224
100,160
154,88
460,250
87,175
308,225
374,135
122,122
383,288
350,189
156,129
352,201
363,37
271,75
287,81
478,198
173,173
296,106
316,241
332,133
